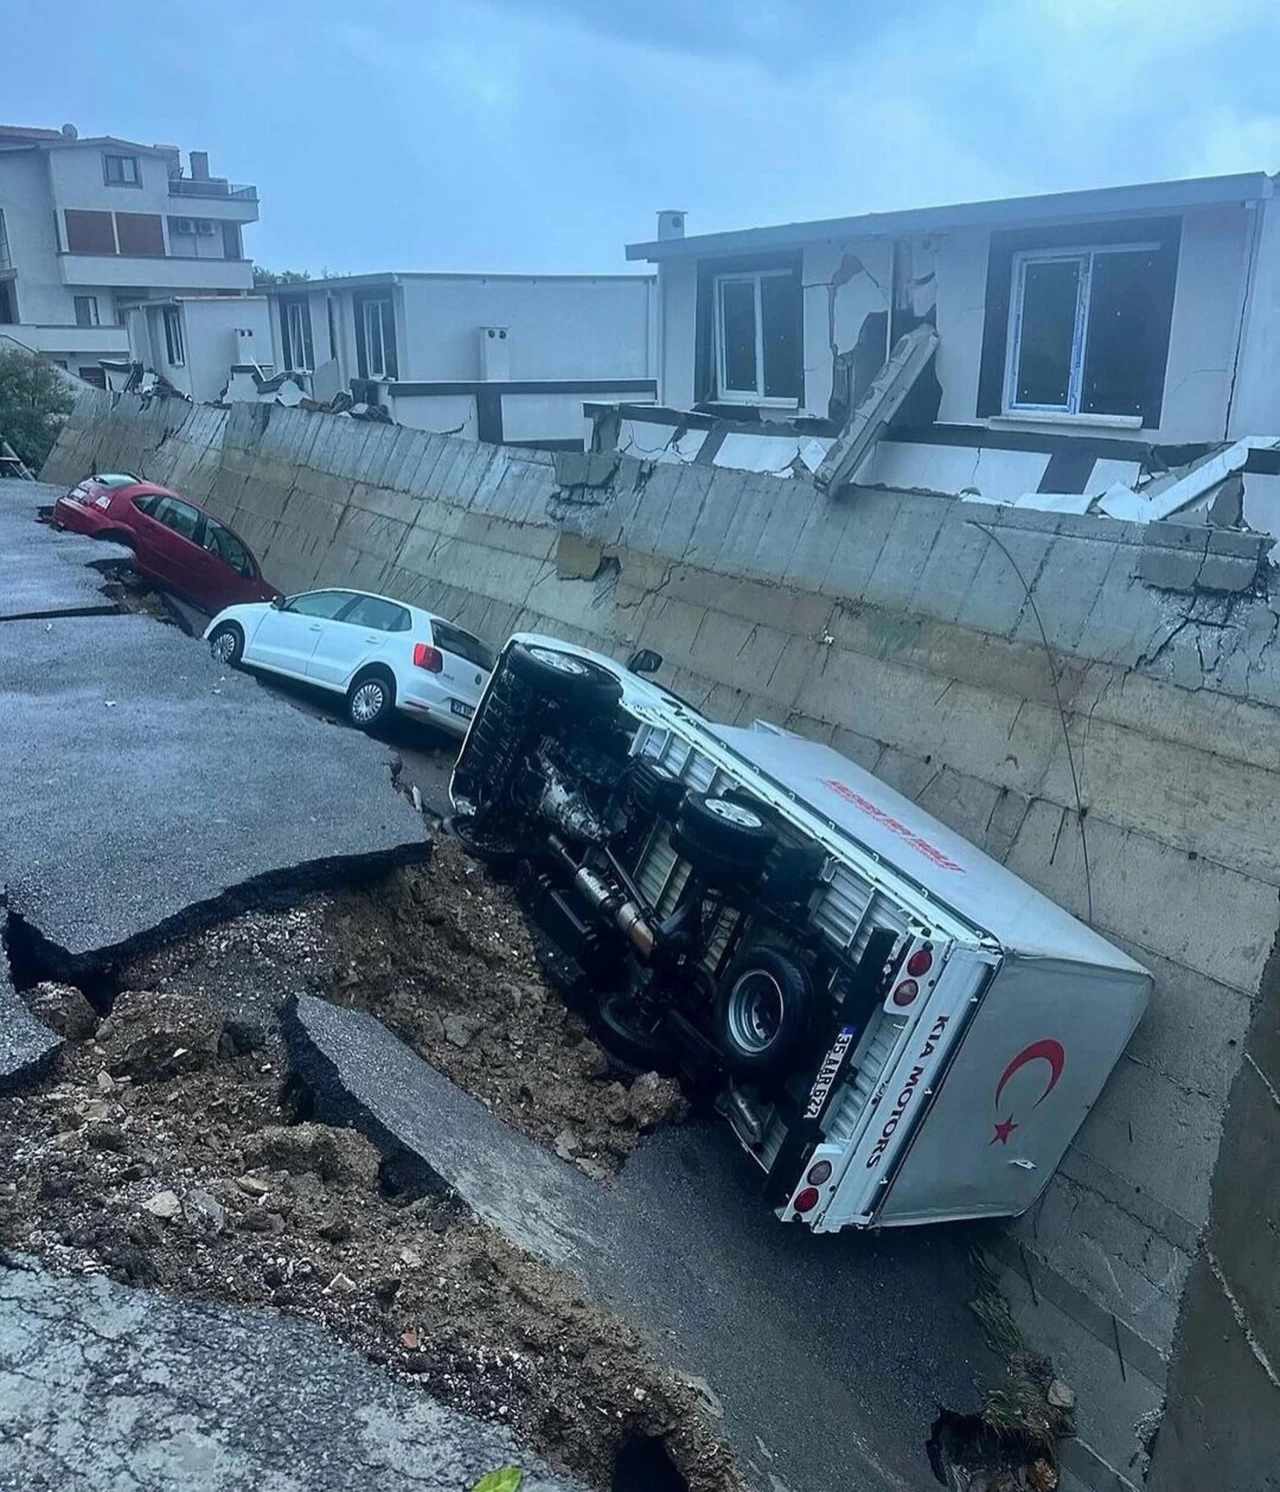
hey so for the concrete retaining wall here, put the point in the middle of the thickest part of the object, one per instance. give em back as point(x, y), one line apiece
point(893, 626)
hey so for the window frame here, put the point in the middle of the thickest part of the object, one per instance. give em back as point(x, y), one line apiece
point(171, 317)
point(377, 370)
point(213, 528)
point(196, 536)
point(290, 607)
point(754, 277)
point(1084, 255)
point(122, 181)
point(361, 305)
point(347, 615)
point(90, 302)
point(301, 304)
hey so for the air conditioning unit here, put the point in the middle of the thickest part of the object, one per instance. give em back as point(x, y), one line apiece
point(203, 225)
point(183, 225)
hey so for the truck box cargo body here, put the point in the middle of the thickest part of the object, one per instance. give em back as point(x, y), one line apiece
point(898, 1029)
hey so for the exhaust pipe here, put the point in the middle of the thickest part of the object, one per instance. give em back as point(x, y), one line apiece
point(623, 912)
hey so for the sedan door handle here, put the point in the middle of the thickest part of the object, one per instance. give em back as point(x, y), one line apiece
point(374, 638)
point(317, 627)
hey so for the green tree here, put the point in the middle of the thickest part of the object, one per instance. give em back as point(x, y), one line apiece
point(263, 276)
point(33, 402)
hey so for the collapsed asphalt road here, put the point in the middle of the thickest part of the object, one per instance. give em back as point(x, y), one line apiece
point(142, 784)
point(105, 1386)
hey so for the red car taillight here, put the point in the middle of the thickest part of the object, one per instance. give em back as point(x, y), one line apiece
point(425, 656)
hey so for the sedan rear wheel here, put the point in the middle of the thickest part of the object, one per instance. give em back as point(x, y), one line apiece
point(370, 700)
point(227, 644)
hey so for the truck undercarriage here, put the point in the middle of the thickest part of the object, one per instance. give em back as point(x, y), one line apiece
point(709, 934)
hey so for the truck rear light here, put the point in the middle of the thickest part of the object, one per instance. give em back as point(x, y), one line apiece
point(920, 962)
point(806, 1200)
point(819, 1173)
point(906, 992)
point(425, 656)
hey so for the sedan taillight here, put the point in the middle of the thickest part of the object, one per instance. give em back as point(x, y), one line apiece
point(425, 656)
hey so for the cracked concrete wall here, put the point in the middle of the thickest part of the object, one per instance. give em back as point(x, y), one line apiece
point(890, 625)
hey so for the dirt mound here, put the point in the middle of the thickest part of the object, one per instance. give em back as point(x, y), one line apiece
point(441, 954)
point(186, 1180)
point(151, 1036)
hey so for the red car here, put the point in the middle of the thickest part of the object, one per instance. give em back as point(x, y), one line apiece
point(174, 541)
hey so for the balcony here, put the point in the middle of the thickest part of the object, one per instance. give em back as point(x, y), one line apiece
point(158, 273)
point(186, 186)
point(215, 199)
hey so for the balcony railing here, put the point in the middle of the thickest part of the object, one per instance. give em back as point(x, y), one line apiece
point(184, 186)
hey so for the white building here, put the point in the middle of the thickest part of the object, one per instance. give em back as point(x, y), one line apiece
point(92, 227)
point(193, 341)
point(1082, 339)
point(502, 358)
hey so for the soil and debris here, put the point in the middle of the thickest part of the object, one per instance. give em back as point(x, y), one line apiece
point(441, 954)
point(1011, 1444)
point(159, 1153)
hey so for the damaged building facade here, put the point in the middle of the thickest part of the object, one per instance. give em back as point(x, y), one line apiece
point(507, 359)
point(1085, 342)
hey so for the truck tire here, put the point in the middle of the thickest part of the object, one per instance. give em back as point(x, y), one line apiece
point(723, 838)
point(632, 1036)
point(764, 1013)
point(565, 677)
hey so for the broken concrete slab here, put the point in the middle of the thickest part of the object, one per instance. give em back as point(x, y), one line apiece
point(27, 1046)
point(687, 1250)
point(44, 573)
point(214, 1398)
point(143, 785)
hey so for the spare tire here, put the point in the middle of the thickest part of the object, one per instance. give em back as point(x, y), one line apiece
point(764, 1013)
point(722, 837)
point(565, 677)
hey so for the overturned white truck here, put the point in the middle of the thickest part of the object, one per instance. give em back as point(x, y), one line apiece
point(898, 1029)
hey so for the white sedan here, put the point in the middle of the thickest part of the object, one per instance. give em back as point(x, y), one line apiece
point(380, 654)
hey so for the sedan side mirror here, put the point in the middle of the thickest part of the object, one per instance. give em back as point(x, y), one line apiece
point(278, 602)
point(645, 661)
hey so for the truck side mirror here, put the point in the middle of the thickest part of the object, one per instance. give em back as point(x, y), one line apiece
point(645, 661)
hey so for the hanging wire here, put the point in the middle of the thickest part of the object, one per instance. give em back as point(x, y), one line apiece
point(1057, 694)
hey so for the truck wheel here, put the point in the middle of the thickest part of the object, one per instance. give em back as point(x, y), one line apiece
point(565, 677)
point(633, 1036)
point(722, 837)
point(491, 846)
point(764, 1012)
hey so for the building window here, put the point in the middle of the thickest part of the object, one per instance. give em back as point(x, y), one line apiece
point(757, 336)
point(376, 338)
point(8, 304)
point(5, 261)
point(93, 374)
point(121, 170)
point(295, 334)
point(174, 349)
point(140, 233)
point(232, 245)
point(86, 310)
point(1077, 321)
point(1080, 330)
point(89, 232)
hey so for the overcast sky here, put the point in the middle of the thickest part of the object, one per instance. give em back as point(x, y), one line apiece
point(544, 134)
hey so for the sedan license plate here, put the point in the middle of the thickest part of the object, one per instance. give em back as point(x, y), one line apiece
point(458, 708)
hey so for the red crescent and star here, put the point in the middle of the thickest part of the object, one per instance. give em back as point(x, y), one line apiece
point(1039, 1051)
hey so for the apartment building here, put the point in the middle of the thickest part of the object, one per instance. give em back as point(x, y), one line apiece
point(91, 228)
